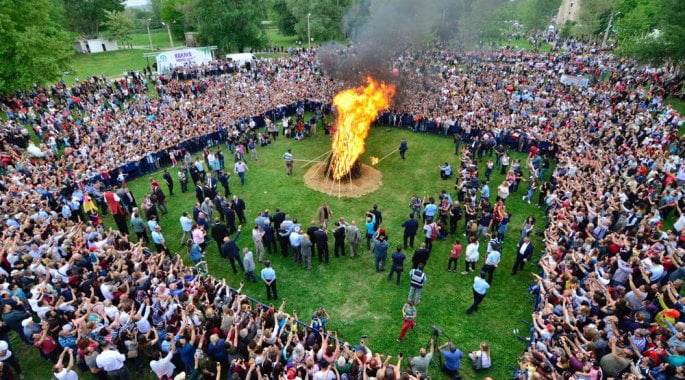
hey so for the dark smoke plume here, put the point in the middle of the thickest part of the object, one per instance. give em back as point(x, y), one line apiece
point(380, 31)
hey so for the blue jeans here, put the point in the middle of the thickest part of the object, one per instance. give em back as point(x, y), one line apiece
point(677, 274)
point(380, 262)
point(399, 274)
point(242, 178)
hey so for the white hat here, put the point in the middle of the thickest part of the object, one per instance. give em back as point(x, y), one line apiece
point(26, 322)
point(180, 376)
point(3, 345)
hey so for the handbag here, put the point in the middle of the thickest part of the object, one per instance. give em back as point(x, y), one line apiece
point(478, 364)
point(132, 351)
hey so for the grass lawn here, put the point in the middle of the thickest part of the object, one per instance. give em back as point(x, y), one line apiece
point(271, 55)
point(160, 40)
point(678, 105)
point(522, 43)
point(360, 301)
point(111, 64)
point(277, 39)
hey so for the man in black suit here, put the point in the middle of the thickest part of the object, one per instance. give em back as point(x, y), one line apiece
point(269, 238)
point(321, 239)
point(278, 218)
point(223, 180)
point(310, 232)
point(420, 256)
point(211, 185)
point(378, 215)
point(128, 199)
point(239, 208)
point(199, 192)
point(219, 232)
point(339, 236)
point(169, 181)
point(524, 251)
point(231, 251)
point(410, 227)
point(229, 216)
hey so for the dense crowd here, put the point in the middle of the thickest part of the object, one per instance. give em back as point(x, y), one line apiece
point(608, 291)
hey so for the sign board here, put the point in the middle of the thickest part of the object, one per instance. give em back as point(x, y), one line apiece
point(571, 80)
point(183, 57)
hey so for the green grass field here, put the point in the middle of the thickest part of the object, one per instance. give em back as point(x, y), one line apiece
point(160, 40)
point(277, 39)
point(678, 105)
point(522, 43)
point(360, 301)
point(110, 64)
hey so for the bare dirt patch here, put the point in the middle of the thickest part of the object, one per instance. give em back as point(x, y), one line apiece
point(370, 180)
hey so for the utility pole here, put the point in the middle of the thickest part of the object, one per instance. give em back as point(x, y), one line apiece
point(606, 32)
point(168, 30)
point(309, 33)
point(149, 36)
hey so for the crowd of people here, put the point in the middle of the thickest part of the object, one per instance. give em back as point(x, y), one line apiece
point(608, 298)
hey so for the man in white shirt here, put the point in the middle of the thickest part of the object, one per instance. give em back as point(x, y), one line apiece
point(186, 226)
point(7, 358)
point(112, 362)
point(240, 168)
point(164, 366)
point(65, 373)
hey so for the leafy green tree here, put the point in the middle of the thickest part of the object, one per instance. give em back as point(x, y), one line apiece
point(232, 25)
point(118, 27)
point(285, 20)
point(536, 14)
point(652, 30)
point(594, 16)
point(173, 14)
point(35, 49)
point(325, 20)
point(85, 16)
point(156, 8)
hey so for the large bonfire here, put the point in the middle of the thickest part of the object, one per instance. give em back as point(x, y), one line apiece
point(356, 109)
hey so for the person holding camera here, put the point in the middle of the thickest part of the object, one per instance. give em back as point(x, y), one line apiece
point(421, 363)
point(452, 356)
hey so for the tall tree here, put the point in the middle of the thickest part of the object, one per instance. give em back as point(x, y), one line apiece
point(118, 27)
point(594, 16)
point(232, 25)
point(85, 16)
point(156, 8)
point(172, 14)
point(652, 30)
point(35, 49)
point(536, 14)
point(325, 22)
point(285, 20)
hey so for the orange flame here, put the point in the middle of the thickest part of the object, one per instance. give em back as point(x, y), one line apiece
point(357, 108)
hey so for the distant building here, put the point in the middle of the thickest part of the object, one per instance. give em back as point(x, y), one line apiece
point(568, 11)
point(191, 39)
point(95, 45)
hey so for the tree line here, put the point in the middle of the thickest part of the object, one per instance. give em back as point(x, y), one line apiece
point(36, 37)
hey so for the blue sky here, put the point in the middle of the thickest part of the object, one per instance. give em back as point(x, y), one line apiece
point(135, 3)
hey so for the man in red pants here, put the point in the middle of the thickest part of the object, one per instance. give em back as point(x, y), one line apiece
point(409, 314)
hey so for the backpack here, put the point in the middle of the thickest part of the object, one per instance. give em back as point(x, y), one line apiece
point(478, 362)
point(434, 231)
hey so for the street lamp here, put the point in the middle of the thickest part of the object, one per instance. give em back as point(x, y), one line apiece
point(149, 36)
point(606, 32)
point(309, 33)
point(168, 30)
